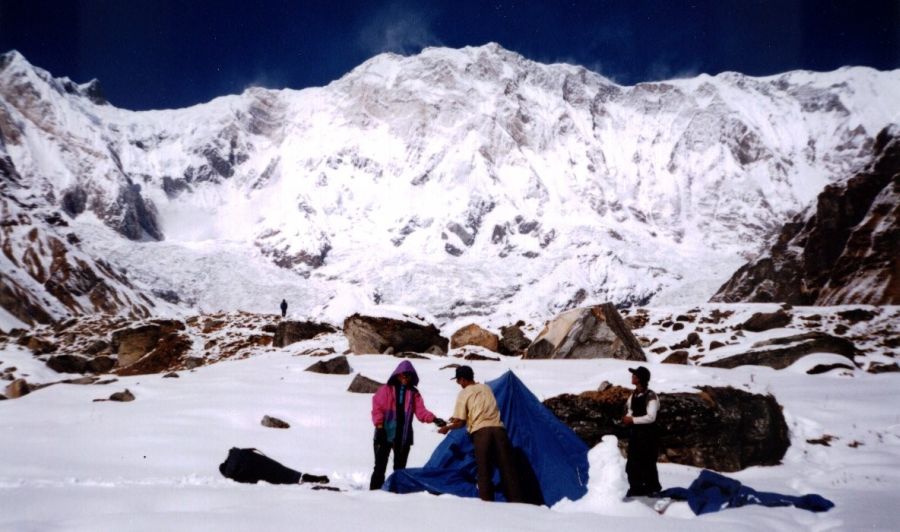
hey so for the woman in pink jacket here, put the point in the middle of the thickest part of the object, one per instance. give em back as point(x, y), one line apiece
point(393, 408)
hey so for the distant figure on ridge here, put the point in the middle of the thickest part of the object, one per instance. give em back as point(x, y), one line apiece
point(643, 439)
point(283, 308)
point(476, 407)
point(393, 408)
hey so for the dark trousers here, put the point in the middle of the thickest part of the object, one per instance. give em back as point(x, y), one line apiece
point(382, 452)
point(492, 448)
point(643, 478)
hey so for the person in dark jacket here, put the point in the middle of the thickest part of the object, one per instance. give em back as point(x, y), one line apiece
point(393, 408)
point(283, 307)
point(643, 441)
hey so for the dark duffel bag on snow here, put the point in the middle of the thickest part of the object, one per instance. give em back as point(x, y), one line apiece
point(250, 466)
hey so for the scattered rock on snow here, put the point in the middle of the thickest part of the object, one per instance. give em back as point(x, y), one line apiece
point(274, 423)
point(677, 357)
point(363, 384)
point(335, 366)
point(763, 321)
point(122, 397)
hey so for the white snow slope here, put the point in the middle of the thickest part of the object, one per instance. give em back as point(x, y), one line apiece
point(461, 182)
point(72, 464)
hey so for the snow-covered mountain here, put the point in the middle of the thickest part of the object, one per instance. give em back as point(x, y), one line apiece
point(845, 250)
point(459, 182)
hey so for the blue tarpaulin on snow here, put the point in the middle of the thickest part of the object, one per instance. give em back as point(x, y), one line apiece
point(712, 492)
point(552, 460)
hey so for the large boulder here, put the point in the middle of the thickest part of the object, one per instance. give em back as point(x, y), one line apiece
point(724, 429)
point(168, 354)
point(513, 341)
point(780, 353)
point(588, 332)
point(472, 334)
point(369, 334)
point(288, 332)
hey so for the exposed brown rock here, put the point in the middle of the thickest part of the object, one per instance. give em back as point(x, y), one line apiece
point(677, 357)
point(718, 428)
point(132, 344)
point(692, 339)
point(17, 388)
point(289, 332)
point(472, 334)
point(40, 346)
point(883, 368)
point(368, 334)
point(588, 332)
point(166, 356)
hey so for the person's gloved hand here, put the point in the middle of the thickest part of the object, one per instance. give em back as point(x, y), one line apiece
point(439, 422)
point(380, 435)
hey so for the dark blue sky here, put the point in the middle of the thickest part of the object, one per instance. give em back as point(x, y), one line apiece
point(163, 54)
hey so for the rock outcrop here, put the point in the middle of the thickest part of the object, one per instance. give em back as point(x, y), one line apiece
point(588, 332)
point(717, 428)
point(167, 355)
point(843, 252)
point(782, 352)
point(369, 334)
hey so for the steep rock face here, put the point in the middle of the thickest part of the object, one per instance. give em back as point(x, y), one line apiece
point(843, 252)
point(418, 171)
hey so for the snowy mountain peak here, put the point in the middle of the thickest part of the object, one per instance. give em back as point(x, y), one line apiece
point(458, 182)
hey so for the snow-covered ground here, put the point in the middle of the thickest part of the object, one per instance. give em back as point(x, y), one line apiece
point(69, 463)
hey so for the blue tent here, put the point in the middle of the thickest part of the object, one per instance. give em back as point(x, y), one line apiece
point(551, 458)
